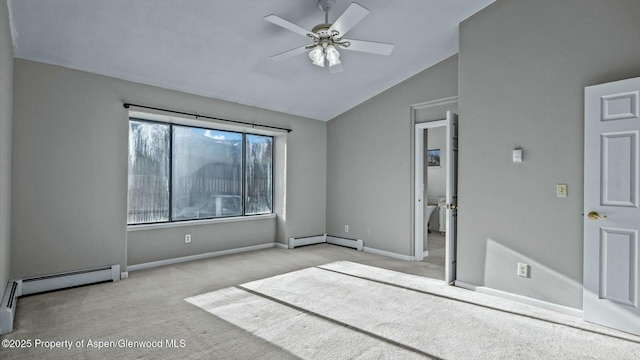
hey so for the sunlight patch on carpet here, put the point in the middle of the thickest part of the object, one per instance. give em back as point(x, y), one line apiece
point(334, 311)
point(301, 334)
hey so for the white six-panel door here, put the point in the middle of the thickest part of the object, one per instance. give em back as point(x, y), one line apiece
point(611, 211)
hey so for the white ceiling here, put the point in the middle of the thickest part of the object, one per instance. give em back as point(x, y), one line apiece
point(221, 48)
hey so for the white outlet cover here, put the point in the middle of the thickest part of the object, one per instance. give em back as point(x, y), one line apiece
point(561, 190)
point(523, 270)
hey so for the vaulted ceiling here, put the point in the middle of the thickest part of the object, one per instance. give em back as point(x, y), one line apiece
point(221, 48)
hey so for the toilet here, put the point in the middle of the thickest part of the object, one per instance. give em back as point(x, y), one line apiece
point(430, 208)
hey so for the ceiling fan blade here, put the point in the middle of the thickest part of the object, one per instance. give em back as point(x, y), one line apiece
point(290, 53)
point(336, 69)
point(275, 19)
point(369, 47)
point(349, 18)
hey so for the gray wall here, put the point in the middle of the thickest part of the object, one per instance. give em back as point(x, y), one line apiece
point(523, 68)
point(70, 174)
point(151, 245)
point(369, 161)
point(6, 115)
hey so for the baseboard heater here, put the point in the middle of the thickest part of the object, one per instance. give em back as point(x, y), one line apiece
point(8, 306)
point(357, 244)
point(38, 284)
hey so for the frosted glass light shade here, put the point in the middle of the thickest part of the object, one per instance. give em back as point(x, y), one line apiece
point(333, 56)
point(317, 56)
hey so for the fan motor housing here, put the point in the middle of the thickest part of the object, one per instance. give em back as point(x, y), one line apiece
point(322, 30)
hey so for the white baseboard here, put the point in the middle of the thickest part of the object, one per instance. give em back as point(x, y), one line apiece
point(280, 246)
point(521, 299)
point(182, 259)
point(389, 254)
point(124, 275)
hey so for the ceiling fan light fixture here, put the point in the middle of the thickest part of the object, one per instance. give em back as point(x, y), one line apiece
point(317, 56)
point(333, 56)
point(328, 37)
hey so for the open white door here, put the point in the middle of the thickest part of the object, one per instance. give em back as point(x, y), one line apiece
point(611, 212)
point(420, 201)
point(452, 198)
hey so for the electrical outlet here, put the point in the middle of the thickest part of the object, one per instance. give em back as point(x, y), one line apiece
point(368, 233)
point(523, 270)
point(187, 239)
point(561, 190)
point(346, 228)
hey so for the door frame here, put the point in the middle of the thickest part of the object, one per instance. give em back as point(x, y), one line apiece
point(419, 184)
point(417, 212)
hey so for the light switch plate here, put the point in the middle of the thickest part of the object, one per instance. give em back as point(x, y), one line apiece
point(517, 155)
point(561, 190)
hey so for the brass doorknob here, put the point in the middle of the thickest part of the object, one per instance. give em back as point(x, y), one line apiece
point(595, 216)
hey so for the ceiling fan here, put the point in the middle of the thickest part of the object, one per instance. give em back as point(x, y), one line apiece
point(327, 38)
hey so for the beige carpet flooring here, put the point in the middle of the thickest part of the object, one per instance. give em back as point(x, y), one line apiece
point(348, 310)
point(150, 306)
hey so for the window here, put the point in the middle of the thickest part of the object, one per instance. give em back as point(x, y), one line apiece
point(148, 200)
point(179, 173)
point(258, 174)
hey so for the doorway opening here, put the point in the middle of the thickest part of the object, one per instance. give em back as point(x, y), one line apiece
point(435, 193)
point(433, 190)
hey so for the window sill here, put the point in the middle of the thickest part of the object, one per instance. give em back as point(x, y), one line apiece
point(199, 222)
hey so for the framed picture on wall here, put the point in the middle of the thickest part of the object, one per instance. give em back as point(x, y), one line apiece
point(433, 157)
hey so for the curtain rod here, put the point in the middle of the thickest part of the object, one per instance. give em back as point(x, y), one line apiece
point(127, 105)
